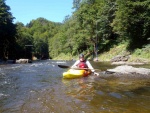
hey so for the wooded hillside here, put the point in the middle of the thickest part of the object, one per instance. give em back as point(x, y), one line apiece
point(94, 27)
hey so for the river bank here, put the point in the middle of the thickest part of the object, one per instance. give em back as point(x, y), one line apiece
point(138, 56)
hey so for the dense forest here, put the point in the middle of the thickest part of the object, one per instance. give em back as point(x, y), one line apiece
point(94, 27)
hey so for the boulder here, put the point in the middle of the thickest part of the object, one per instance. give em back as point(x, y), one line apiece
point(125, 69)
point(120, 58)
point(20, 61)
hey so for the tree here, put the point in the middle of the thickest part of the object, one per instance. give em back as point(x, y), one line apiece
point(23, 38)
point(7, 31)
point(132, 22)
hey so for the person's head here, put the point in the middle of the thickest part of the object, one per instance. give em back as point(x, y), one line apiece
point(81, 57)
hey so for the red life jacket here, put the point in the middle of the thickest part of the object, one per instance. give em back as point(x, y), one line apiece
point(82, 65)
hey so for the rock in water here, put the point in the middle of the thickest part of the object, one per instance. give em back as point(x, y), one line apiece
point(125, 69)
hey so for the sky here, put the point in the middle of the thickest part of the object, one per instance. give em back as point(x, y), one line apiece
point(53, 10)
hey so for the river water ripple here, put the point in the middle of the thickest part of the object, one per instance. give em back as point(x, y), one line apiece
point(39, 88)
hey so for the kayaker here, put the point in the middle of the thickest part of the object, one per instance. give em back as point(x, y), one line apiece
point(82, 63)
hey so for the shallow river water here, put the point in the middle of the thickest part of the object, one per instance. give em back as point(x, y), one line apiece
point(40, 88)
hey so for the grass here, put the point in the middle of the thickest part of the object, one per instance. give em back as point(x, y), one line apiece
point(116, 50)
point(139, 55)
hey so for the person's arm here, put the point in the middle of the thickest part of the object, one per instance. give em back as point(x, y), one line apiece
point(75, 64)
point(90, 67)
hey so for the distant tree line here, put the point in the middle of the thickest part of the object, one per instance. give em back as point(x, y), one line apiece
point(94, 26)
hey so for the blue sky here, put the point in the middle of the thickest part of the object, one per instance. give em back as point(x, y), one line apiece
point(26, 10)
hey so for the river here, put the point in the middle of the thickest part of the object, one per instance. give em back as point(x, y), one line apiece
point(39, 88)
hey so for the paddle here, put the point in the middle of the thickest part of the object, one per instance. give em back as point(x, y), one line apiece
point(63, 66)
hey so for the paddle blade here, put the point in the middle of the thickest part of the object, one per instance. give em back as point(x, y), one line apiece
point(63, 66)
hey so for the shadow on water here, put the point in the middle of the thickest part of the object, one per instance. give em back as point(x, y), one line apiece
point(39, 87)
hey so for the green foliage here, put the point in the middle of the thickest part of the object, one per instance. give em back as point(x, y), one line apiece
point(37, 33)
point(132, 20)
point(144, 52)
point(7, 31)
point(42, 31)
point(96, 25)
point(141, 55)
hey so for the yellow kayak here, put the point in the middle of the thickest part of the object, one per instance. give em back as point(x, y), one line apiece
point(73, 73)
